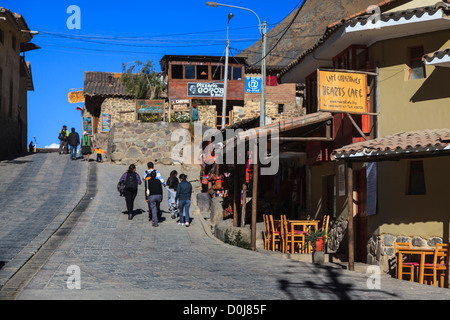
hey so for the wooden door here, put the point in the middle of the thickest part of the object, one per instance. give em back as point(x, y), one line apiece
point(360, 216)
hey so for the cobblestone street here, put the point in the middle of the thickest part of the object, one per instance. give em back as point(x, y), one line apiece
point(122, 259)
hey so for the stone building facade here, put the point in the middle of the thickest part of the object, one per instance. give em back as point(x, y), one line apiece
point(15, 82)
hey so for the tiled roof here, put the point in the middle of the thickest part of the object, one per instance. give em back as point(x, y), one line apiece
point(352, 20)
point(438, 54)
point(105, 84)
point(400, 144)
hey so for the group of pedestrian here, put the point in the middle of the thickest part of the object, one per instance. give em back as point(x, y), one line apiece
point(179, 193)
point(71, 141)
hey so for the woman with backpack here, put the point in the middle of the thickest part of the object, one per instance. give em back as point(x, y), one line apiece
point(131, 180)
point(86, 146)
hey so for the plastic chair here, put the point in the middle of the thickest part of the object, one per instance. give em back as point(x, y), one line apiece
point(410, 266)
point(298, 237)
point(275, 236)
point(439, 265)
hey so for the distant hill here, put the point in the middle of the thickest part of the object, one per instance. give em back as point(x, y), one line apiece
point(306, 30)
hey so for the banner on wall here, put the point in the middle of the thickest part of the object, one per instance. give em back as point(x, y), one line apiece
point(253, 84)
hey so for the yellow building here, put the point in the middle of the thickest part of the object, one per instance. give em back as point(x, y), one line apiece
point(403, 49)
point(15, 81)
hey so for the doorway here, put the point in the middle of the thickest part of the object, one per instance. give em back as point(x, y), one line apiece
point(361, 217)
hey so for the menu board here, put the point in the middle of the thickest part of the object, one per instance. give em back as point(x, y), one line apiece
point(106, 122)
point(87, 125)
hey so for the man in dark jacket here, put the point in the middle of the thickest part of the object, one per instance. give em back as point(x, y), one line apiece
point(183, 198)
point(74, 142)
point(154, 196)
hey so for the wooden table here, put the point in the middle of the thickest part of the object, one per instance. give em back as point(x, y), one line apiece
point(304, 224)
point(414, 251)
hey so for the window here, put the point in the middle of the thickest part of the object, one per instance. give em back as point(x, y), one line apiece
point(177, 71)
point(2, 36)
point(280, 108)
point(416, 65)
point(11, 92)
point(216, 73)
point(354, 57)
point(189, 72)
point(14, 43)
point(1, 89)
point(416, 178)
point(202, 72)
point(237, 73)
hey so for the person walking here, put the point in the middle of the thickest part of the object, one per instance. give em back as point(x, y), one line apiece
point(172, 185)
point(183, 198)
point(151, 167)
point(63, 140)
point(74, 142)
point(131, 179)
point(86, 146)
point(154, 195)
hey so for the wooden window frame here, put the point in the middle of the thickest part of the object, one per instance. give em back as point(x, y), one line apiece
point(414, 59)
point(416, 168)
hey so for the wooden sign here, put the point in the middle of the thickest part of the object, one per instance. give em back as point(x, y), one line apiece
point(76, 97)
point(150, 106)
point(342, 91)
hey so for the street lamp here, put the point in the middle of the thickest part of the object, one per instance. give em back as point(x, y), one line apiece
point(225, 82)
point(263, 30)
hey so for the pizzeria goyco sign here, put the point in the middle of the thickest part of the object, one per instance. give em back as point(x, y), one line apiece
point(214, 90)
point(342, 91)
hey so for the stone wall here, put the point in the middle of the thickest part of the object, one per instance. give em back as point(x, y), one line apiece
point(276, 96)
point(207, 115)
point(140, 143)
point(380, 249)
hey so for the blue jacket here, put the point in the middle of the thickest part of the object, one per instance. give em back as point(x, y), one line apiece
point(184, 191)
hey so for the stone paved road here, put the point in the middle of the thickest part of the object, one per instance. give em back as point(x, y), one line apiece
point(122, 259)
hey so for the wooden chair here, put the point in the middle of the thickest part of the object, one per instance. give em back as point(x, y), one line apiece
point(275, 236)
point(410, 266)
point(266, 232)
point(298, 237)
point(325, 224)
point(438, 265)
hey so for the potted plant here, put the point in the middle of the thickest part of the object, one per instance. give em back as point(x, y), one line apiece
point(316, 240)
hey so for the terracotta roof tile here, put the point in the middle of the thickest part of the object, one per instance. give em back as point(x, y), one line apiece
point(400, 143)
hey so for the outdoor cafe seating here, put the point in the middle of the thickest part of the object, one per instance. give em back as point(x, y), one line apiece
point(423, 265)
point(289, 236)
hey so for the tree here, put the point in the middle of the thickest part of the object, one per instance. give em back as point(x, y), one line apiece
point(142, 80)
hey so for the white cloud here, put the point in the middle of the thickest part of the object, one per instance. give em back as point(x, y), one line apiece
point(52, 146)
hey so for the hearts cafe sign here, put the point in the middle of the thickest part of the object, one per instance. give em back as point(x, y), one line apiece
point(342, 91)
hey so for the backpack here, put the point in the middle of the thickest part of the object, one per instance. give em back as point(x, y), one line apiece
point(131, 182)
point(62, 135)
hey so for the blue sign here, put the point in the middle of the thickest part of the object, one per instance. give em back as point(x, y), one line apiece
point(253, 84)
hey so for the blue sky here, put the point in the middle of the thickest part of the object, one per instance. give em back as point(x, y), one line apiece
point(115, 32)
